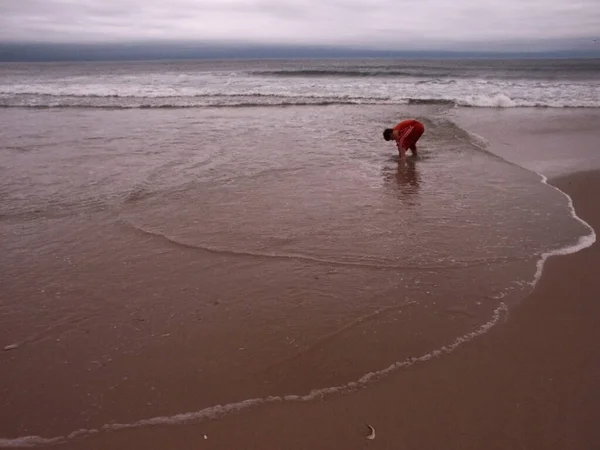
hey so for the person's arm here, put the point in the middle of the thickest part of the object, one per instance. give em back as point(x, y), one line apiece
point(401, 150)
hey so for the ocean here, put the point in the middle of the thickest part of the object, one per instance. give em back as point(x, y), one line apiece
point(181, 235)
point(478, 83)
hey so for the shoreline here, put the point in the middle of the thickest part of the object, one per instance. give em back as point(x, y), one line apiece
point(582, 243)
point(528, 383)
point(506, 389)
point(349, 398)
point(514, 395)
point(310, 405)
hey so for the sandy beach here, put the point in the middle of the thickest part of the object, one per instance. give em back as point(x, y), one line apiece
point(530, 383)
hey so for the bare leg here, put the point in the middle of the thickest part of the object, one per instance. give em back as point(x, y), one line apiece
point(413, 149)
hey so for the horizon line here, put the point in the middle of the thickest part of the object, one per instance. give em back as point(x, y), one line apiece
point(188, 50)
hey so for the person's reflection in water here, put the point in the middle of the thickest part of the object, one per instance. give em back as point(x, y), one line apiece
point(405, 178)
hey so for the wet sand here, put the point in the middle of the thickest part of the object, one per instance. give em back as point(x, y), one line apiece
point(532, 382)
point(140, 327)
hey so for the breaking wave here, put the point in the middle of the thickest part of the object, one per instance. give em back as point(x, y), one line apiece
point(366, 72)
point(254, 100)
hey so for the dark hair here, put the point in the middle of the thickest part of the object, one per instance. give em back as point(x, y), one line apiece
point(387, 134)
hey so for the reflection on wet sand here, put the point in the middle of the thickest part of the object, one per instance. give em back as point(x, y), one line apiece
point(404, 177)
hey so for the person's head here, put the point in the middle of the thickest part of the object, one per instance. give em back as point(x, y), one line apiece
point(387, 134)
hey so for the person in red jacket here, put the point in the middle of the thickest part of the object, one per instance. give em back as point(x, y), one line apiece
point(406, 134)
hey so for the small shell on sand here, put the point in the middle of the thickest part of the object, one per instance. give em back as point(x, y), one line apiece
point(372, 435)
point(10, 347)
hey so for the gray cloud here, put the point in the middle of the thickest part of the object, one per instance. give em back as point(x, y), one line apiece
point(390, 24)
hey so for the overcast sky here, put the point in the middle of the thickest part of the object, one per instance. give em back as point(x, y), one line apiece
point(390, 24)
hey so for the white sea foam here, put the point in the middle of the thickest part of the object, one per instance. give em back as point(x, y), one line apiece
point(583, 241)
point(156, 100)
point(29, 441)
point(195, 89)
point(491, 101)
point(499, 85)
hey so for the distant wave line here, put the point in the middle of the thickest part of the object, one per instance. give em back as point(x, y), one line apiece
point(197, 95)
point(351, 73)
